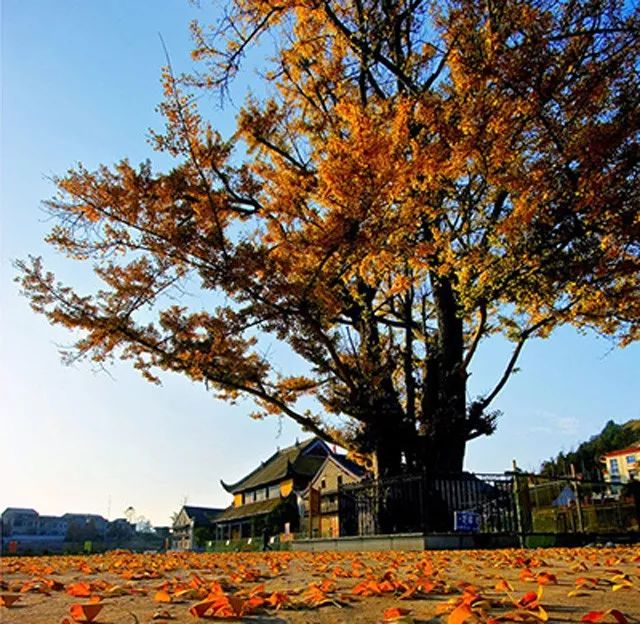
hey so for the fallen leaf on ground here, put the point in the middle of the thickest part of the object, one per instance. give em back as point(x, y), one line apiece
point(162, 615)
point(396, 615)
point(85, 612)
point(162, 596)
point(610, 615)
point(6, 600)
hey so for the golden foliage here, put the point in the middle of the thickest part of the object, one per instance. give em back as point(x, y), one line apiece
point(416, 180)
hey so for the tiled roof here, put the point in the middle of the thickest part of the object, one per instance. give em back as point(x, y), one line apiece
point(624, 451)
point(202, 516)
point(252, 509)
point(308, 466)
point(286, 462)
point(349, 465)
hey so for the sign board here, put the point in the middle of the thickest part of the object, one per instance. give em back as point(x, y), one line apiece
point(466, 521)
point(88, 547)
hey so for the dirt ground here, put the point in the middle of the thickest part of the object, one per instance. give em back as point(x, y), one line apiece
point(561, 585)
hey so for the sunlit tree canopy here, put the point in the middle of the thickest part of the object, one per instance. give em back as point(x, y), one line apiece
point(421, 176)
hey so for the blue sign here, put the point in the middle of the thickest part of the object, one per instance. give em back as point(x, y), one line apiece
point(467, 521)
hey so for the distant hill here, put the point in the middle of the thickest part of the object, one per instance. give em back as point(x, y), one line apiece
point(585, 457)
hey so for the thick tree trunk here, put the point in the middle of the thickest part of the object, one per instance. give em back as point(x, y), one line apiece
point(444, 399)
point(385, 430)
point(389, 432)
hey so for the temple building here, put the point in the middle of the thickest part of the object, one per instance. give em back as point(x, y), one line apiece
point(269, 499)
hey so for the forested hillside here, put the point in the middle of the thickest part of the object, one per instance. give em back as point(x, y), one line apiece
point(586, 457)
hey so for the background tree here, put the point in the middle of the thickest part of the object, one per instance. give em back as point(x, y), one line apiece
point(143, 525)
point(130, 515)
point(586, 457)
point(203, 534)
point(422, 176)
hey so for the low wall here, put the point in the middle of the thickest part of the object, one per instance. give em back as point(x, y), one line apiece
point(457, 541)
point(406, 541)
point(403, 541)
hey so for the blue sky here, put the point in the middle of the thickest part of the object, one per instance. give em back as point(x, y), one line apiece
point(80, 82)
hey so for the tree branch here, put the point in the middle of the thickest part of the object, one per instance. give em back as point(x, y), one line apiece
point(478, 335)
point(524, 336)
point(363, 48)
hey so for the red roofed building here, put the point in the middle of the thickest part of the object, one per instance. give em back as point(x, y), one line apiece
point(622, 465)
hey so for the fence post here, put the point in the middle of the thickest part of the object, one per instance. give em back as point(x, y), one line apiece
point(524, 523)
point(516, 498)
point(574, 483)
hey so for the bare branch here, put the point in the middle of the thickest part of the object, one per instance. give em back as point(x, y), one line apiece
point(524, 336)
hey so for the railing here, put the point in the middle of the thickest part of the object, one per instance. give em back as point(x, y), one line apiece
point(427, 503)
point(570, 505)
point(509, 503)
point(329, 507)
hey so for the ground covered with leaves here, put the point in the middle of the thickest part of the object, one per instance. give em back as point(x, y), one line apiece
point(453, 587)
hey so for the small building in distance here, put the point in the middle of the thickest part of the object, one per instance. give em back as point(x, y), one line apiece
point(53, 525)
point(189, 521)
point(120, 529)
point(268, 498)
point(81, 527)
point(20, 521)
point(28, 531)
point(621, 465)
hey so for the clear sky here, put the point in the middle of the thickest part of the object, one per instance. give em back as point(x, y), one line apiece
point(80, 82)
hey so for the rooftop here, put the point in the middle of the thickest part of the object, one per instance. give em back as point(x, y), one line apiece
point(624, 451)
point(72, 516)
point(202, 515)
point(19, 510)
point(303, 458)
point(351, 466)
point(252, 509)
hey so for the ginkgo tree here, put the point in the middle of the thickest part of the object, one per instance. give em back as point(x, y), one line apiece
point(421, 176)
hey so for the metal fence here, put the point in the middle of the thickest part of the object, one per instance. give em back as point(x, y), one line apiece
point(565, 505)
point(427, 503)
point(509, 503)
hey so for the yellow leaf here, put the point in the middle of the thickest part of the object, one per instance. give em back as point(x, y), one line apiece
point(162, 596)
